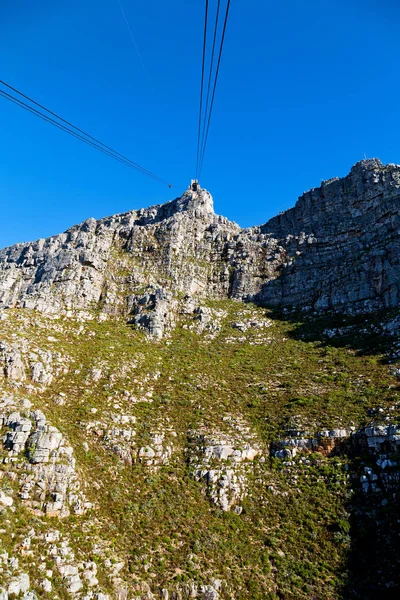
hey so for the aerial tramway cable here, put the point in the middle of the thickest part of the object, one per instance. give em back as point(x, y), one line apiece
point(201, 88)
point(211, 70)
point(69, 131)
point(204, 119)
point(135, 44)
point(214, 88)
point(78, 133)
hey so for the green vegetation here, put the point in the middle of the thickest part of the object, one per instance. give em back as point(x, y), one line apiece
point(292, 540)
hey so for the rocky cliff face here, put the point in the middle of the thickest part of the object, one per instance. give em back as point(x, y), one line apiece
point(338, 248)
point(343, 243)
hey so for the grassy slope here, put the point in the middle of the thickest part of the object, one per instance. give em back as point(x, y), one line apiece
point(292, 539)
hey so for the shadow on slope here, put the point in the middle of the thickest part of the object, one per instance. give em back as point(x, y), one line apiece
point(374, 558)
point(363, 333)
point(374, 535)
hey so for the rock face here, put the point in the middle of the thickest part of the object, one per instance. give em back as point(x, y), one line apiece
point(49, 483)
point(342, 242)
point(338, 248)
point(223, 462)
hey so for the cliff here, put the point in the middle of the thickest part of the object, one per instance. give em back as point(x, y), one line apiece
point(338, 248)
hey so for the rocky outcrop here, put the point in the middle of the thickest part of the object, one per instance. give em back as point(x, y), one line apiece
point(326, 442)
point(18, 363)
point(11, 362)
point(338, 248)
point(222, 460)
point(150, 253)
point(380, 440)
point(342, 243)
point(41, 461)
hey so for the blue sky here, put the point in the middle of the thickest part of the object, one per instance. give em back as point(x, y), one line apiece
point(306, 89)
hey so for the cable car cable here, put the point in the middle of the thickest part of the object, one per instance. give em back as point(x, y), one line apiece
point(62, 127)
point(214, 88)
point(139, 167)
point(211, 71)
point(135, 44)
point(201, 87)
point(116, 156)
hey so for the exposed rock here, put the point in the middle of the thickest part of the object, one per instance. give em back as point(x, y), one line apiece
point(154, 311)
point(338, 248)
point(49, 483)
point(325, 442)
point(19, 585)
point(5, 500)
point(46, 585)
point(222, 461)
point(11, 363)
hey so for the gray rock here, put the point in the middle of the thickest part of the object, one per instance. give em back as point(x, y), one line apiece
point(207, 592)
point(47, 479)
point(20, 584)
point(12, 365)
point(5, 500)
point(74, 584)
point(338, 248)
point(46, 585)
point(222, 461)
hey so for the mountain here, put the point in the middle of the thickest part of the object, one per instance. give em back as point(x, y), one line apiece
point(190, 409)
point(338, 248)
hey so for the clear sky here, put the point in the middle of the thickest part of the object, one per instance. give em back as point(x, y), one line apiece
point(306, 89)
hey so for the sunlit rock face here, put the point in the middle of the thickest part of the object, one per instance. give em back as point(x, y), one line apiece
point(338, 248)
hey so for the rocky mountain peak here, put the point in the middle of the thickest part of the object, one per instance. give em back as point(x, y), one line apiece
point(338, 248)
point(199, 203)
point(367, 164)
point(370, 165)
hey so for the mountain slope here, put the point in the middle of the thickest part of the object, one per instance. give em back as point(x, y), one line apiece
point(242, 450)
